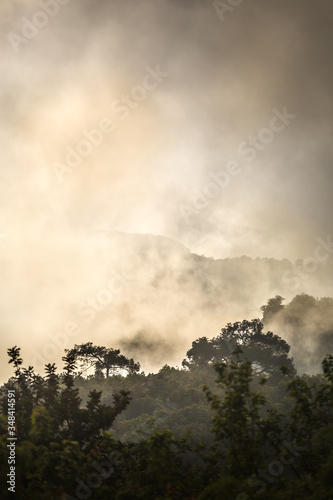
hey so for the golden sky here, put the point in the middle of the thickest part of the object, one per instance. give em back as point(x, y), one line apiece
point(181, 92)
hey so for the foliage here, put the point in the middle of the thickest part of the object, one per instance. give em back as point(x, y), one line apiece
point(266, 352)
point(270, 437)
point(102, 358)
point(54, 402)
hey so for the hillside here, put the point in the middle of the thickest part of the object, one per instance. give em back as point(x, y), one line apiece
point(146, 294)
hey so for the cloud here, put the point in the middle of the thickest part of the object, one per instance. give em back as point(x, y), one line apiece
point(224, 80)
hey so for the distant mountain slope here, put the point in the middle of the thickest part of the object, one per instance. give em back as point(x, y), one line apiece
point(146, 294)
point(174, 296)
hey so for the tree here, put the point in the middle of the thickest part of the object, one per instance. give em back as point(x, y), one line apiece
point(266, 352)
point(273, 307)
point(54, 401)
point(102, 359)
point(237, 424)
point(201, 354)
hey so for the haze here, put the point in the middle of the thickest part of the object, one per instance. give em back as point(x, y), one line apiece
point(221, 82)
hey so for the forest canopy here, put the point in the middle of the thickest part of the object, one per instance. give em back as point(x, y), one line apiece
point(235, 422)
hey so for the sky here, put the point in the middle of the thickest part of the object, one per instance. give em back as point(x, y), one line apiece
point(178, 118)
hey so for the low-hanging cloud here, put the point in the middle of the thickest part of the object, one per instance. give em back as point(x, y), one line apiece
point(224, 81)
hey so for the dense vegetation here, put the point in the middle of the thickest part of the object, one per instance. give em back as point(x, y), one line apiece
point(236, 423)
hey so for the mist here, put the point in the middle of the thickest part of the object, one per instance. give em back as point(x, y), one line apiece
point(176, 95)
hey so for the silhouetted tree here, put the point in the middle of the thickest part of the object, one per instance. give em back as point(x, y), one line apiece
point(202, 353)
point(266, 352)
point(273, 307)
point(65, 418)
point(102, 359)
